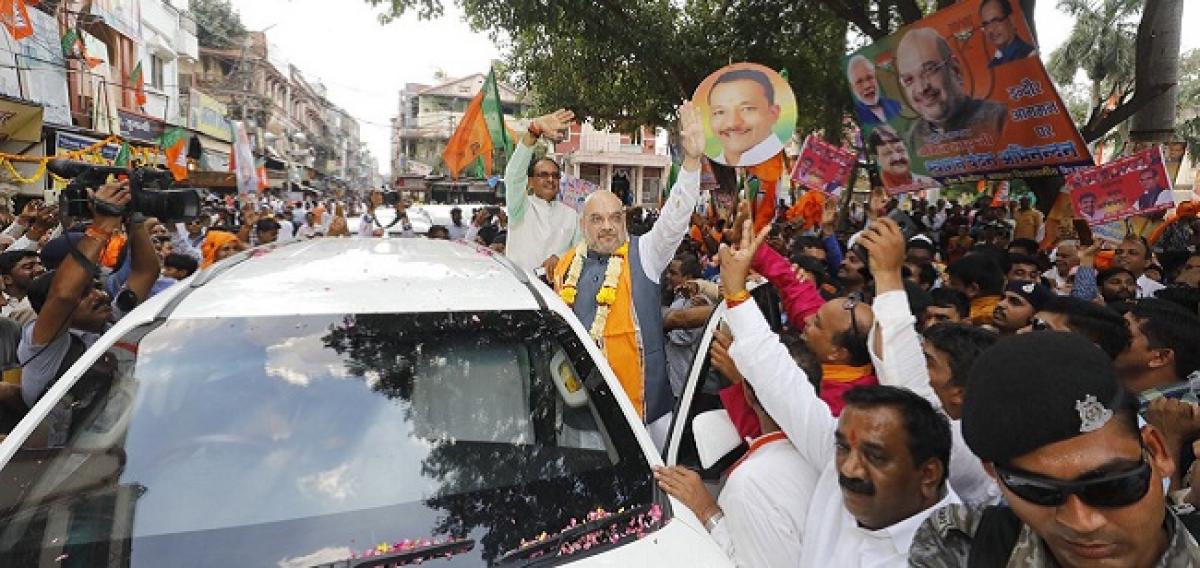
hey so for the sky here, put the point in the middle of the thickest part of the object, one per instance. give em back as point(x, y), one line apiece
point(365, 64)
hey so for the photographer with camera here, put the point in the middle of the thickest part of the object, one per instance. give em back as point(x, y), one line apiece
point(73, 310)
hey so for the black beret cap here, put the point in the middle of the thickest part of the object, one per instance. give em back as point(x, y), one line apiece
point(1034, 389)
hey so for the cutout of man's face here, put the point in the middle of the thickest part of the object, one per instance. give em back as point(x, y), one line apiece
point(742, 117)
point(997, 26)
point(863, 82)
point(1149, 179)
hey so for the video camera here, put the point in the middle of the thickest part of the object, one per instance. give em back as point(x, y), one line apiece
point(149, 188)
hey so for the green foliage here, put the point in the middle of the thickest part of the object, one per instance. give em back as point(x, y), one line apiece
point(217, 24)
point(626, 63)
point(1101, 44)
point(1189, 102)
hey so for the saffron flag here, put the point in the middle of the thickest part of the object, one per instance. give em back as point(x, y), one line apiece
point(139, 84)
point(471, 140)
point(174, 144)
point(242, 160)
point(771, 182)
point(16, 18)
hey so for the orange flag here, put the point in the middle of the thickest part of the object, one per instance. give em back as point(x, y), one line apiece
point(470, 141)
point(768, 173)
point(16, 18)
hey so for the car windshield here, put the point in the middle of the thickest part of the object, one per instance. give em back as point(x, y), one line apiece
point(297, 441)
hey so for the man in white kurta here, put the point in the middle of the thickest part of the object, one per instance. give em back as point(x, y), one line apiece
point(900, 361)
point(843, 449)
point(539, 225)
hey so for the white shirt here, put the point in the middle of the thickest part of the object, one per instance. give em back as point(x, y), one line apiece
point(537, 229)
point(902, 364)
point(287, 231)
point(308, 231)
point(457, 233)
point(765, 501)
point(761, 152)
point(1147, 287)
point(832, 536)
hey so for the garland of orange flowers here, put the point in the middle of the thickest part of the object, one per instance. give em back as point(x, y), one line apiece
point(606, 296)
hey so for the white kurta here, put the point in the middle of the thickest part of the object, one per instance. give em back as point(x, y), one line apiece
point(537, 229)
point(832, 537)
point(902, 364)
point(765, 501)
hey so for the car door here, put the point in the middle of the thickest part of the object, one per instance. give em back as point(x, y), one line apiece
point(701, 396)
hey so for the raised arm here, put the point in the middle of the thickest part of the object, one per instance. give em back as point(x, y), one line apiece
point(658, 246)
point(516, 175)
point(780, 385)
point(894, 343)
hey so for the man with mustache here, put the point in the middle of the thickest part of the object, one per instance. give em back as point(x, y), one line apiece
point(1082, 480)
point(883, 463)
point(1016, 308)
point(870, 106)
point(611, 281)
point(743, 113)
point(894, 166)
point(932, 80)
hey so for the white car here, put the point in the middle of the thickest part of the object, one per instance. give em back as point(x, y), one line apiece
point(319, 402)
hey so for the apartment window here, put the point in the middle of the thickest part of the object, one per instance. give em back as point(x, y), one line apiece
point(156, 71)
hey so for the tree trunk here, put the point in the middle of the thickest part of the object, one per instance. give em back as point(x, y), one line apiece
point(1157, 60)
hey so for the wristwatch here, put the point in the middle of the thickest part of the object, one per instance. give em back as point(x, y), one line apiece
point(711, 524)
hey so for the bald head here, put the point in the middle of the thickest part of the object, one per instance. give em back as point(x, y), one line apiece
point(603, 222)
point(929, 75)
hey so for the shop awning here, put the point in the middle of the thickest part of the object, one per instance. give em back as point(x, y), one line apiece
point(20, 121)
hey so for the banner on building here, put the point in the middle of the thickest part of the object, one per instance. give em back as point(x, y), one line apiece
point(823, 166)
point(573, 191)
point(243, 161)
point(43, 71)
point(1125, 187)
point(140, 127)
point(208, 116)
point(963, 96)
point(68, 142)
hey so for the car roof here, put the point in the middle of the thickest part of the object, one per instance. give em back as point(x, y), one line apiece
point(358, 275)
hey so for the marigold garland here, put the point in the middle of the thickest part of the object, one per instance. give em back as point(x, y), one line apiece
point(606, 296)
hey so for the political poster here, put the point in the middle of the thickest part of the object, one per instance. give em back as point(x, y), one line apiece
point(961, 96)
point(573, 191)
point(1125, 187)
point(823, 166)
point(749, 114)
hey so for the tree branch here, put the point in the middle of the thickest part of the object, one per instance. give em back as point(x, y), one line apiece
point(1100, 123)
point(858, 17)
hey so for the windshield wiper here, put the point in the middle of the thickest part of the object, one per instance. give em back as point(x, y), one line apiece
point(402, 557)
point(550, 548)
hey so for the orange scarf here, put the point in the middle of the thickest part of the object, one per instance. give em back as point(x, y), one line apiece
point(621, 346)
point(756, 444)
point(837, 379)
point(982, 308)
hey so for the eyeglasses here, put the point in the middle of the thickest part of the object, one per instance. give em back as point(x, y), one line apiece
point(1110, 491)
point(548, 175)
point(928, 70)
point(849, 306)
point(993, 22)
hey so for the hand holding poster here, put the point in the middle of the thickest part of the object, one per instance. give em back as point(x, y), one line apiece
point(961, 96)
point(823, 166)
point(1133, 185)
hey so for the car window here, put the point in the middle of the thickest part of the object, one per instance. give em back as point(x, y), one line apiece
point(244, 441)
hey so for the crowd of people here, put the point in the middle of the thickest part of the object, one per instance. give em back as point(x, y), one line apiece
point(949, 388)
